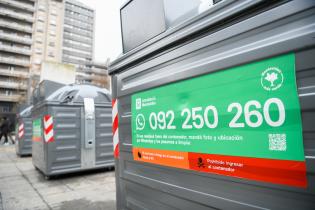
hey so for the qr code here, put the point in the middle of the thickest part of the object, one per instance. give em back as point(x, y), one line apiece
point(277, 142)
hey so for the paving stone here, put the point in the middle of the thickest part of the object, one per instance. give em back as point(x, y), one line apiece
point(22, 187)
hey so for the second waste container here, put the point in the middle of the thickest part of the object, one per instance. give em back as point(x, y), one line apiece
point(72, 130)
point(23, 133)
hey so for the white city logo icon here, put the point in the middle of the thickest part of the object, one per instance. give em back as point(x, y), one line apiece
point(272, 79)
point(138, 103)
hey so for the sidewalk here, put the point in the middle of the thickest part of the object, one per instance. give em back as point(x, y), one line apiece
point(22, 187)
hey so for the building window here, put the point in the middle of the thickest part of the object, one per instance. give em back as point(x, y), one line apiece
point(38, 51)
point(39, 40)
point(8, 92)
point(52, 44)
point(40, 28)
point(41, 19)
point(51, 54)
point(5, 109)
point(54, 12)
point(42, 8)
point(53, 22)
point(52, 33)
point(37, 61)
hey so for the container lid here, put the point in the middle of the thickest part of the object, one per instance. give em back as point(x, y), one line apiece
point(44, 90)
point(77, 93)
point(184, 21)
point(26, 112)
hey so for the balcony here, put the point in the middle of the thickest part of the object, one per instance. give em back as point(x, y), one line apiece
point(81, 76)
point(77, 46)
point(16, 26)
point(78, 39)
point(100, 81)
point(14, 49)
point(77, 24)
point(14, 73)
point(15, 38)
point(11, 98)
point(14, 61)
point(84, 33)
point(13, 85)
point(67, 59)
point(13, 14)
point(92, 78)
point(18, 4)
point(93, 70)
point(83, 18)
point(77, 54)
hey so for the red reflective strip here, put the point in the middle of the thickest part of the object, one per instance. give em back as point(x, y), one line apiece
point(115, 128)
point(115, 124)
point(51, 139)
point(47, 130)
point(47, 117)
point(113, 102)
point(116, 151)
point(21, 131)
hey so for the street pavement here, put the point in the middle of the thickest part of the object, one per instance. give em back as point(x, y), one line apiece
point(22, 187)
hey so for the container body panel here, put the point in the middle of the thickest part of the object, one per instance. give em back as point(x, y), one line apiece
point(104, 136)
point(273, 30)
point(24, 143)
point(39, 148)
point(67, 152)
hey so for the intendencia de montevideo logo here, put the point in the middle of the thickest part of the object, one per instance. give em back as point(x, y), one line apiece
point(271, 79)
point(138, 103)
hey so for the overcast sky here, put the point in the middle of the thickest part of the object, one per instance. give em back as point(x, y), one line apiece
point(107, 28)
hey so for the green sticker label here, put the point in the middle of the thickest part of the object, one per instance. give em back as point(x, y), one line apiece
point(37, 130)
point(243, 122)
point(249, 111)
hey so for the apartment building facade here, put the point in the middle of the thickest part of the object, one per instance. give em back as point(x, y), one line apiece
point(78, 34)
point(78, 43)
point(47, 34)
point(69, 28)
point(16, 21)
point(94, 73)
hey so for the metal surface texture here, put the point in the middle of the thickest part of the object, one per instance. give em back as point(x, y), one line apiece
point(143, 20)
point(44, 89)
point(230, 34)
point(138, 27)
point(70, 151)
point(165, 40)
point(23, 144)
point(88, 153)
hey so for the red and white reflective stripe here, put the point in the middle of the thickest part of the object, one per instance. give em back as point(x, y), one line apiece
point(115, 128)
point(21, 130)
point(48, 129)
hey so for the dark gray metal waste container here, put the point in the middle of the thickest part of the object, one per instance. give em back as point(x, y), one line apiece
point(23, 133)
point(72, 130)
point(218, 112)
point(142, 20)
